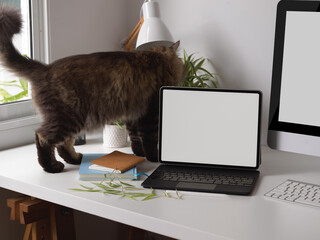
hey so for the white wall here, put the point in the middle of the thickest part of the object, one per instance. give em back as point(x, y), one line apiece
point(82, 26)
point(236, 35)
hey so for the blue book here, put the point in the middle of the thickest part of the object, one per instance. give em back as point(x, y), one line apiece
point(92, 175)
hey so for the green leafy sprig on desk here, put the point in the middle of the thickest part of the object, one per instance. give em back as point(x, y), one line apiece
point(119, 188)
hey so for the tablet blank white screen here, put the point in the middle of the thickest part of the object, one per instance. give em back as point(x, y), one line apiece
point(206, 127)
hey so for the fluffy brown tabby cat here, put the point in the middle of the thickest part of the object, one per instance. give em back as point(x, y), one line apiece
point(86, 91)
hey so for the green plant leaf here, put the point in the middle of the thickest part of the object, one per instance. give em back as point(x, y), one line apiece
point(11, 85)
point(150, 196)
point(6, 82)
point(85, 190)
point(178, 194)
point(125, 195)
point(4, 93)
point(196, 74)
point(119, 123)
point(126, 184)
point(198, 66)
point(24, 84)
point(89, 188)
point(114, 185)
point(16, 97)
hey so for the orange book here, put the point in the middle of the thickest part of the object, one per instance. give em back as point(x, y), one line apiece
point(117, 162)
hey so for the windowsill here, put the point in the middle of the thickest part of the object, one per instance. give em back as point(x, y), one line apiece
point(20, 122)
point(18, 131)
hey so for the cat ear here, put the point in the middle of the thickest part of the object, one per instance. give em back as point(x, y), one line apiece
point(175, 46)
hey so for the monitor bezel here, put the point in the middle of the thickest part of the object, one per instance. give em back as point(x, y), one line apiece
point(258, 155)
point(274, 123)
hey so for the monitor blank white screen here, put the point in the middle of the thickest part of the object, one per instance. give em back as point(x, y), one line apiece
point(300, 82)
point(210, 127)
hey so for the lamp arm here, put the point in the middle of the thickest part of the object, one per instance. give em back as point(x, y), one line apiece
point(128, 44)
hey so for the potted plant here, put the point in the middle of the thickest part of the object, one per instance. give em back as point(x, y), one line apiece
point(115, 135)
point(196, 74)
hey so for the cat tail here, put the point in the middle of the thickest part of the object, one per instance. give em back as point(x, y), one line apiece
point(10, 24)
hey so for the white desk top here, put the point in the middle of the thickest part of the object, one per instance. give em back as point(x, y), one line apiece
point(202, 216)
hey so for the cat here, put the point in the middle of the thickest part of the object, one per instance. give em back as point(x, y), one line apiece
point(83, 92)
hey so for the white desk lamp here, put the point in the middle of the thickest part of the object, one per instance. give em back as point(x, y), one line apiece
point(150, 31)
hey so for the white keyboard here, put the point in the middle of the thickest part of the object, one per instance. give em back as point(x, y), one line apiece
point(297, 192)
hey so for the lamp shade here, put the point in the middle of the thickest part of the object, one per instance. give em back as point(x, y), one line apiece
point(153, 31)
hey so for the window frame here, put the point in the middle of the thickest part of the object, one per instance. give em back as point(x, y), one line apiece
point(18, 120)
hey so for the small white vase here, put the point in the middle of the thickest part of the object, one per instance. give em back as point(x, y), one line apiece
point(114, 136)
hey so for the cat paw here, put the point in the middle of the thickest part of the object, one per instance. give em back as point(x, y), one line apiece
point(76, 160)
point(55, 167)
point(137, 149)
point(69, 157)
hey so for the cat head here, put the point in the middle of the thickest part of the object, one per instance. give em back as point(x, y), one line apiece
point(167, 50)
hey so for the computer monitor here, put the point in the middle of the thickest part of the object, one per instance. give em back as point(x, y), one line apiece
point(294, 115)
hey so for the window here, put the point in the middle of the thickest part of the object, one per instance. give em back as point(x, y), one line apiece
point(13, 88)
point(18, 118)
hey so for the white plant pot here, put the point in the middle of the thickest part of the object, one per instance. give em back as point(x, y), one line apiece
point(114, 136)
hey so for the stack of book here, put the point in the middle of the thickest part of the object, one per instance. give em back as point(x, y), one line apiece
point(116, 165)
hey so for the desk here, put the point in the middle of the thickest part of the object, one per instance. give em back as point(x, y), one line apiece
point(214, 216)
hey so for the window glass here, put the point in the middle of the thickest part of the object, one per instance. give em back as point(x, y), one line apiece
point(18, 117)
point(13, 88)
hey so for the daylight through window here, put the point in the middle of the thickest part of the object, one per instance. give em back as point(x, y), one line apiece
point(13, 88)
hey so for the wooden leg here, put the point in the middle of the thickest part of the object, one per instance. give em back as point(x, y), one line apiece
point(27, 233)
point(43, 220)
point(53, 225)
point(34, 210)
point(14, 204)
point(65, 223)
point(41, 230)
